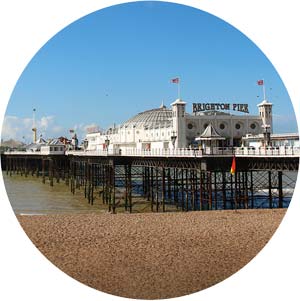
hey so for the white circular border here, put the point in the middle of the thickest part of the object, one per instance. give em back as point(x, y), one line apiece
point(25, 26)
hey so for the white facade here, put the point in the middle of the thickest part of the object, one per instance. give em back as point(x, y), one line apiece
point(277, 140)
point(53, 147)
point(155, 129)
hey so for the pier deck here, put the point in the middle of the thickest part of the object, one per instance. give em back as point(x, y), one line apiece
point(185, 179)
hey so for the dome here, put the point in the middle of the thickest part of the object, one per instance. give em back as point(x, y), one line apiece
point(161, 117)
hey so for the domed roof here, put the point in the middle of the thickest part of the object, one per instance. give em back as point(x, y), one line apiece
point(161, 117)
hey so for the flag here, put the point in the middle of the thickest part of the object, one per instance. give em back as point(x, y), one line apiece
point(175, 80)
point(233, 166)
point(260, 82)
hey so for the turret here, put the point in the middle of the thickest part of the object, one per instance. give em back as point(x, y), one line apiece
point(265, 113)
point(178, 110)
point(34, 126)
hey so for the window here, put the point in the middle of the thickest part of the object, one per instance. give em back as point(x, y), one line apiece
point(253, 126)
point(190, 126)
point(237, 126)
point(222, 126)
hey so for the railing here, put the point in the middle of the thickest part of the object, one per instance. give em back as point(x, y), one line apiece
point(280, 151)
point(34, 153)
point(22, 153)
point(184, 152)
point(140, 153)
point(213, 151)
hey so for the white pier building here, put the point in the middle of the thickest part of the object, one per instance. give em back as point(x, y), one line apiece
point(175, 128)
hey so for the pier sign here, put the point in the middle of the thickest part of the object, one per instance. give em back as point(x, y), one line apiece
point(201, 107)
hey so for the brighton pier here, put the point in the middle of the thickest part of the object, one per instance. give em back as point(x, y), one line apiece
point(159, 157)
point(182, 179)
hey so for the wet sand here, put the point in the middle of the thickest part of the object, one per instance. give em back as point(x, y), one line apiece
point(152, 255)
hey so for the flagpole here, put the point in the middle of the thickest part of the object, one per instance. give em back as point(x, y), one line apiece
point(264, 89)
point(178, 90)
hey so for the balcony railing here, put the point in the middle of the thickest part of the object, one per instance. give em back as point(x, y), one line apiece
point(281, 151)
point(210, 151)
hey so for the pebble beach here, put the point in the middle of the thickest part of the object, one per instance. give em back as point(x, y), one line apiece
point(152, 255)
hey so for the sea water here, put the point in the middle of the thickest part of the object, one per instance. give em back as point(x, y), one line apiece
point(28, 195)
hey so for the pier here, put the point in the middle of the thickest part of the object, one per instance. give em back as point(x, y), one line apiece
point(181, 179)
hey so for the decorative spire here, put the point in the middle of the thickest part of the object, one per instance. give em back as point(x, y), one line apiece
point(34, 125)
point(162, 106)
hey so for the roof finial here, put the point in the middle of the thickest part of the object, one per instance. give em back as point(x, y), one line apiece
point(162, 106)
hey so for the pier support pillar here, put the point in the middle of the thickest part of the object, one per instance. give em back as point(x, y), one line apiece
point(280, 194)
point(182, 189)
point(50, 170)
point(209, 182)
point(43, 171)
point(152, 188)
point(224, 190)
point(157, 190)
point(270, 189)
point(163, 188)
point(113, 188)
point(251, 189)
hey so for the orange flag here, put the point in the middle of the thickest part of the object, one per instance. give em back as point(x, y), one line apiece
point(233, 166)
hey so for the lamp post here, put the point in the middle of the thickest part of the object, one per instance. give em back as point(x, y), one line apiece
point(173, 139)
point(106, 143)
point(85, 144)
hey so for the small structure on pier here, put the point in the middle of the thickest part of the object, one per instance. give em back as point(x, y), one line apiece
point(209, 138)
point(53, 147)
point(276, 140)
point(36, 146)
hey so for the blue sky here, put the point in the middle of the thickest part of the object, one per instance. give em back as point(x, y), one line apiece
point(114, 63)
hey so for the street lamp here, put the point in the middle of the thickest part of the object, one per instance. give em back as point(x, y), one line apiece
point(173, 138)
point(106, 142)
point(85, 144)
